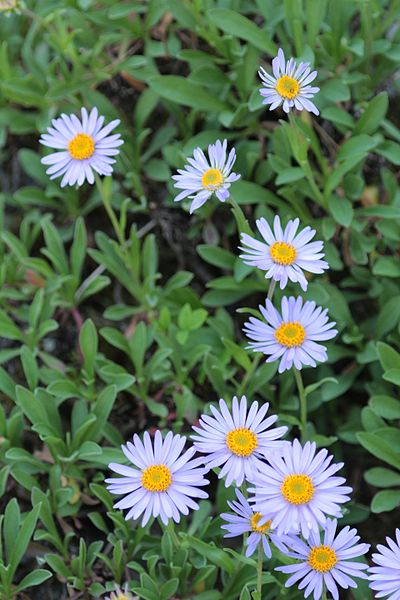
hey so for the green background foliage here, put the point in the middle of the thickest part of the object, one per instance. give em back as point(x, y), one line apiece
point(99, 342)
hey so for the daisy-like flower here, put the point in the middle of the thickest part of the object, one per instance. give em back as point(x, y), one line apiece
point(201, 177)
point(245, 520)
point(85, 145)
point(385, 577)
point(285, 253)
point(293, 335)
point(326, 562)
point(163, 481)
point(289, 85)
point(297, 489)
point(238, 439)
point(121, 594)
point(10, 6)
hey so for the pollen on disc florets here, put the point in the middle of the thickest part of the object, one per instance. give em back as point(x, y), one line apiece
point(242, 441)
point(254, 519)
point(156, 478)
point(290, 334)
point(212, 179)
point(297, 489)
point(81, 146)
point(322, 558)
point(287, 87)
point(283, 253)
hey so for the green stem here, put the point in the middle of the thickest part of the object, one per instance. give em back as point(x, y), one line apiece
point(299, 148)
point(172, 532)
point(324, 596)
point(241, 221)
point(303, 404)
point(105, 196)
point(248, 375)
point(259, 569)
point(271, 289)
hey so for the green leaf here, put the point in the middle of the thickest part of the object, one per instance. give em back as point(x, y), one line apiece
point(389, 357)
point(88, 341)
point(373, 115)
point(237, 25)
point(385, 501)
point(341, 210)
point(385, 406)
point(34, 578)
point(216, 256)
point(381, 477)
point(387, 266)
point(358, 145)
point(23, 538)
point(181, 91)
point(379, 448)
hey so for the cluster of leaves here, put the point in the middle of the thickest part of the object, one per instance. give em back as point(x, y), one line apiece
point(100, 341)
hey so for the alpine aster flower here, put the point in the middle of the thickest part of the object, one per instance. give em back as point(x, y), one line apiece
point(285, 254)
point(385, 578)
point(289, 85)
point(237, 439)
point(246, 520)
point(297, 489)
point(163, 481)
point(10, 6)
point(326, 562)
point(85, 145)
point(201, 177)
point(293, 335)
point(121, 594)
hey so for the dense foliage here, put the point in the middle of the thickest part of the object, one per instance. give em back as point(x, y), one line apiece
point(103, 337)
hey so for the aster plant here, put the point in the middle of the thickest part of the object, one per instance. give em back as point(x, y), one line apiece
point(298, 489)
point(84, 147)
point(325, 561)
point(385, 572)
point(163, 480)
point(239, 439)
point(285, 253)
point(289, 85)
point(203, 176)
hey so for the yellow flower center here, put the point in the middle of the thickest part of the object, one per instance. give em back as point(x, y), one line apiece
point(282, 253)
point(259, 528)
point(322, 558)
point(290, 334)
point(156, 478)
point(81, 147)
point(287, 87)
point(241, 442)
point(212, 179)
point(297, 489)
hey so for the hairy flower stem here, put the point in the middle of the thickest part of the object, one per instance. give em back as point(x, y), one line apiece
point(241, 221)
point(259, 569)
point(104, 189)
point(172, 532)
point(303, 404)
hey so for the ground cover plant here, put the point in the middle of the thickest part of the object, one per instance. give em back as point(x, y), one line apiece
point(200, 299)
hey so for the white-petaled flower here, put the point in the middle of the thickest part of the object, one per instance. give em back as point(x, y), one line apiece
point(246, 520)
point(121, 594)
point(297, 489)
point(285, 253)
point(85, 145)
point(289, 85)
point(163, 481)
point(201, 177)
point(327, 562)
point(385, 574)
point(292, 336)
point(11, 6)
point(238, 439)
